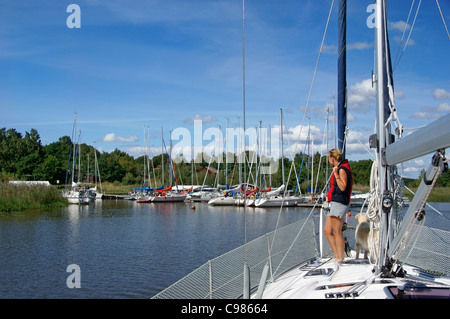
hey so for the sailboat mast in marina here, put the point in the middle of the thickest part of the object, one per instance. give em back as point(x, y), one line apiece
point(76, 194)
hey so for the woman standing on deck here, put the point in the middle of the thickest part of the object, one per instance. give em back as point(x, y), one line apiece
point(341, 183)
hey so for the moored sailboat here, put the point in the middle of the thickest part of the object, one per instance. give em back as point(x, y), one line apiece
point(168, 195)
point(76, 194)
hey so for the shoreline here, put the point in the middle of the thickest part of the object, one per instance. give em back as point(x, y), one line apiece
point(23, 197)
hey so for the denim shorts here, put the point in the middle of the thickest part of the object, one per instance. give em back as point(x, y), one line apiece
point(338, 210)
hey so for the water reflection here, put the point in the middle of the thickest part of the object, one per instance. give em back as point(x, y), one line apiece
point(124, 249)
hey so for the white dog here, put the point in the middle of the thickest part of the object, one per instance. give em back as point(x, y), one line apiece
point(363, 236)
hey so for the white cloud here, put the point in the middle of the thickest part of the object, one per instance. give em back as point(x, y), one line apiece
point(333, 49)
point(141, 151)
point(329, 49)
point(431, 113)
point(112, 137)
point(412, 168)
point(425, 115)
point(444, 107)
point(203, 118)
point(399, 25)
point(399, 94)
point(360, 94)
point(136, 151)
point(441, 94)
point(359, 46)
point(411, 42)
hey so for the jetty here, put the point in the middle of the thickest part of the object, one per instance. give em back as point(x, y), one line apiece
point(114, 196)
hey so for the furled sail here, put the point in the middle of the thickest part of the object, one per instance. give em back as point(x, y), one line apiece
point(342, 75)
point(387, 66)
point(385, 108)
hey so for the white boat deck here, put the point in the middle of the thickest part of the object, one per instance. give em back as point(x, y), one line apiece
point(324, 281)
point(327, 279)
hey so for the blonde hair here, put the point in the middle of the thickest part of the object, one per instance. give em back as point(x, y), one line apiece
point(336, 154)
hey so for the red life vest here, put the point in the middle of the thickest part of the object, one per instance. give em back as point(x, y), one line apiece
point(335, 194)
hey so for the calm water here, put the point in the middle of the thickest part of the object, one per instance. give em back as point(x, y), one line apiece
point(125, 249)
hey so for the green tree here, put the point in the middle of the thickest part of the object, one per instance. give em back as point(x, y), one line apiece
point(51, 170)
point(11, 149)
point(361, 171)
point(57, 161)
point(111, 167)
point(27, 165)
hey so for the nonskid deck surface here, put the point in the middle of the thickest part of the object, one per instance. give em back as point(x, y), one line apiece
point(316, 282)
point(326, 278)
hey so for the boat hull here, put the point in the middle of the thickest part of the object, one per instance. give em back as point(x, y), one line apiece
point(78, 200)
point(144, 200)
point(279, 201)
point(169, 198)
point(222, 201)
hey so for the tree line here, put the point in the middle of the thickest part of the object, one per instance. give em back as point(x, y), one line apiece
point(23, 157)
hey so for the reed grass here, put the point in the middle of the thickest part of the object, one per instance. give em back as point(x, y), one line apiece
point(437, 195)
point(22, 197)
point(117, 188)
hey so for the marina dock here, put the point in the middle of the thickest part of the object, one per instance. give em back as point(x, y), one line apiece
point(114, 196)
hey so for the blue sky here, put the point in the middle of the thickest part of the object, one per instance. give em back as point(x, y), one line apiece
point(163, 63)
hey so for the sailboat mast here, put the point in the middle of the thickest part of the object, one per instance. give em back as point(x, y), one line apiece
point(282, 152)
point(162, 157)
point(269, 139)
point(258, 167)
point(79, 158)
point(243, 86)
point(145, 156)
point(383, 74)
point(170, 159)
point(226, 154)
point(342, 75)
point(73, 152)
point(239, 151)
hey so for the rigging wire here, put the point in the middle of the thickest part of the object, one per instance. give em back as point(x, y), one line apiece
point(315, 70)
point(428, 205)
point(297, 144)
point(410, 232)
point(404, 31)
point(443, 20)
point(409, 36)
point(243, 101)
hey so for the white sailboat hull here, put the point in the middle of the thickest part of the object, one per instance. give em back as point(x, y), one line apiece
point(358, 199)
point(75, 199)
point(222, 201)
point(169, 198)
point(279, 201)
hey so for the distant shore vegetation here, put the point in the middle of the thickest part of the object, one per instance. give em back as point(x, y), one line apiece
point(23, 157)
point(23, 197)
